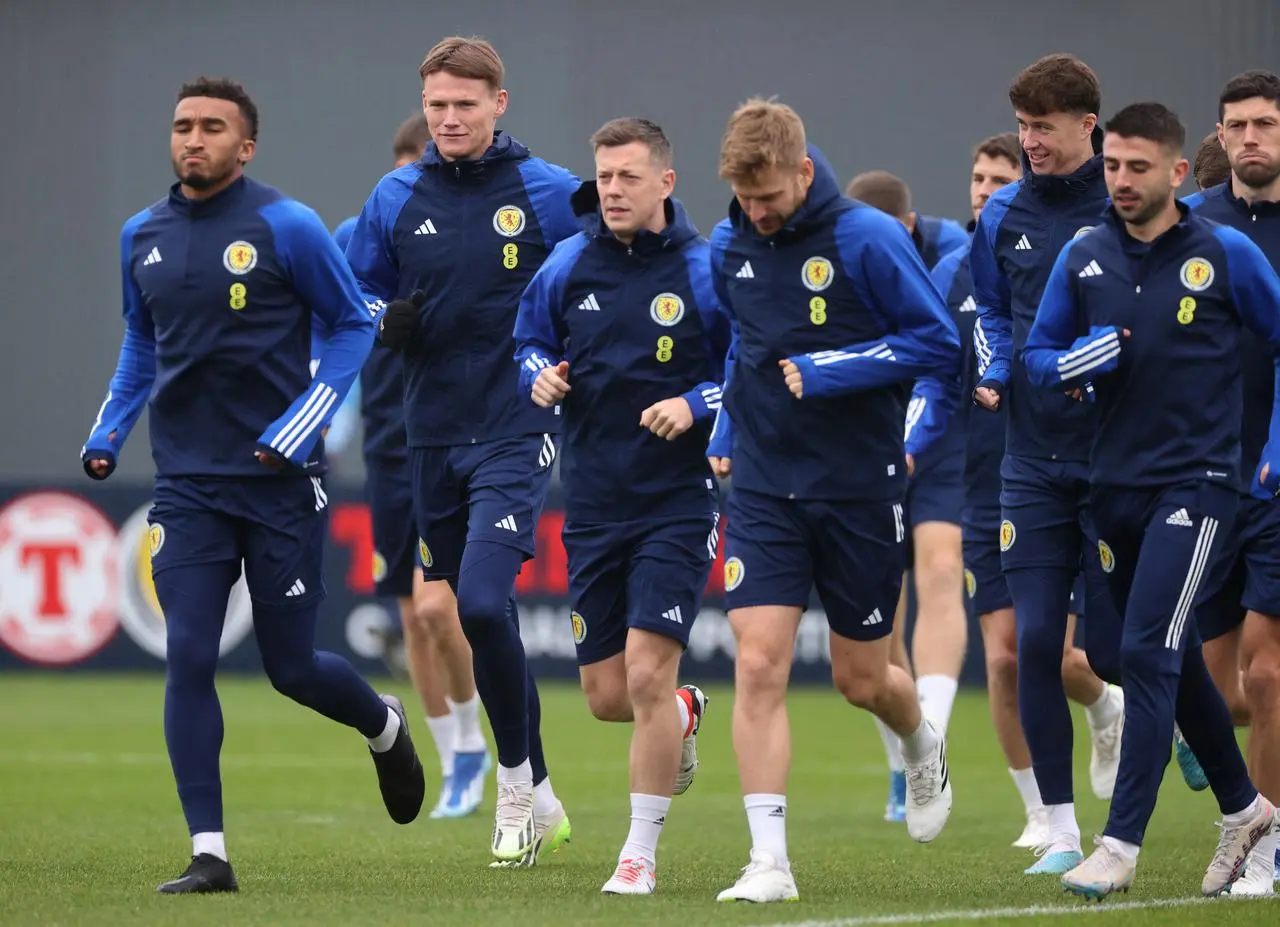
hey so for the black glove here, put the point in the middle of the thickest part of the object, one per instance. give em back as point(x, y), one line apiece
point(400, 319)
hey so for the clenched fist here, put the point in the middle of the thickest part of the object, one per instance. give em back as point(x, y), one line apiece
point(552, 385)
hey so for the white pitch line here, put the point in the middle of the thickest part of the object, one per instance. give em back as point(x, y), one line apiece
point(982, 914)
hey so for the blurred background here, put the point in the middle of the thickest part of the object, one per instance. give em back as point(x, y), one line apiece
point(90, 87)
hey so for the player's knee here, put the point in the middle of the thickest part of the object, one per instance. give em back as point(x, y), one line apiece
point(480, 603)
point(940, 575)
point(435, 609)
point(759, 672)
point(1132, 656)
point(1262, 684)
point(189, 659)
point(292, 676)
point(607, 696)
point(648, 682)
point(1002, 662)
point(862, 685)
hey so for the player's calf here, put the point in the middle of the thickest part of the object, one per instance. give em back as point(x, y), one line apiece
point(862, 673)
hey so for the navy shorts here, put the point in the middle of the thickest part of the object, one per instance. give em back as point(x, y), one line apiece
point(389, 492)
point(936, 493)
point(479, 492)
point(637, 574)
point(1246, 577)
point(983, 579)
point(275, 525)
point(779, 550)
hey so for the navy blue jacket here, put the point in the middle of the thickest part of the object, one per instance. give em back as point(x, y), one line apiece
point(471, 235)
point(974, 432)
point(1020, 232)
point(219, 296)
point(841, 292)
point(935, 238)
point(1261, 222)
point(638, 324)
point(1169, 395)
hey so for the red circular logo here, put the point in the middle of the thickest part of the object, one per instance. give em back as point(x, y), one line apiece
point(58, 578)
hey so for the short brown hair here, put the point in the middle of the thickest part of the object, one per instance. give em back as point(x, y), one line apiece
point(628, 129)
point(472, 58)
point(1248, 85)
point(1056, 84)
point(1005, 146)
point(884, 191)
point(762, 134)
point(1211, 165)
point(411, 138)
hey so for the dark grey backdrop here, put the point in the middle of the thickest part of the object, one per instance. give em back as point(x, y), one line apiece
point(908, 86)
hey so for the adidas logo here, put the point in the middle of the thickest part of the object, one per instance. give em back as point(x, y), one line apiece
point(673, 614)
point(296, 589)
point(426, 228)
point(1091, 270)
point(589, 304)
point(873, 618)
point(969, 305)
point(153, 257)
point(506, 524)
point(746, 273)
point(778, 812)
point(1180, 518)
point(1023, 244)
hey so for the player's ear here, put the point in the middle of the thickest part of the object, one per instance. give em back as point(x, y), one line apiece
point(502, 101)
point(247, 149)
point(668, 182)
point(1180, 169)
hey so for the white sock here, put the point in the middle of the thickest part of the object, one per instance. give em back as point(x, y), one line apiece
point(1028, 788)
point(544, 799)
point(210, 842)
point(444, 732)
point(892, 747)
point(937, 694)
point(767, 818)
point(1063, 828)
point(917, 745)
point(686, 717)
point(1264, 854)
point(1248, 811)
point(468, 738)
point(648, 814)
point(384, 741)
point(1126, 851)
point(1104, 710)
point(520, 776)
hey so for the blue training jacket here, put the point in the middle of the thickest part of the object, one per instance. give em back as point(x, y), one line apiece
point(219, 297)
point(637, 324)
point(841, 292)
point(470, 235)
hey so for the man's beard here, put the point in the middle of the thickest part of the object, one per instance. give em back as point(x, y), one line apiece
point(1255, 175)
point(199, 181)
point(1147, 211)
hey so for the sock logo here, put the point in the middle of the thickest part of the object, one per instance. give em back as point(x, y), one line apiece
point(778, 812)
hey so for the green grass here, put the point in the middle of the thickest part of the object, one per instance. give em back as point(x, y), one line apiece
point(89, 824)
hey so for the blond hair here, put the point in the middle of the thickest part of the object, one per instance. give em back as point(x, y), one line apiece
point(470, 58)
point(761, 135)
